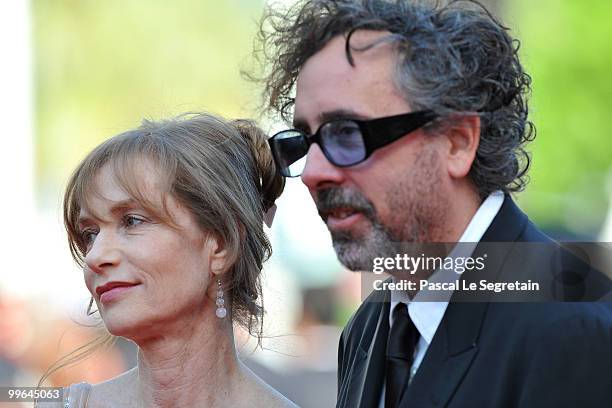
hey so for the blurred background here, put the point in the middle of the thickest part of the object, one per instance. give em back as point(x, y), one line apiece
point(75, 72)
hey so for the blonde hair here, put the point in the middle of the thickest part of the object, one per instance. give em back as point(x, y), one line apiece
point(221, 171)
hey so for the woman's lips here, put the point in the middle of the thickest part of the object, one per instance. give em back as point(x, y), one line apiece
point(115, 293)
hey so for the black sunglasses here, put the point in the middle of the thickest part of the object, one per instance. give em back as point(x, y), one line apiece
point(344, 142)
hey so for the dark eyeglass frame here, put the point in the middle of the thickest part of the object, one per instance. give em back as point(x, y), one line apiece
point(376, 133)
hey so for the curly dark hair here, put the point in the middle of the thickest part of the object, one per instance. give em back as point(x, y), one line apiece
point(452, 57)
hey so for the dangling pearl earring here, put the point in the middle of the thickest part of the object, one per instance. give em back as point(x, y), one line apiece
point(221, 310)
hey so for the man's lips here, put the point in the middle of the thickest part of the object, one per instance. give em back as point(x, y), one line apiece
point(341, 217)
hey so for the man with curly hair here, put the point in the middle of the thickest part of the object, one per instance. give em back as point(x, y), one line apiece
point(410, 121)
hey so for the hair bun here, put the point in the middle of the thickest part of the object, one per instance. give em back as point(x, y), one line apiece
point(271, 182)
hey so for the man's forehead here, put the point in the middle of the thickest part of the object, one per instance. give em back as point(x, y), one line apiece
point(366, 47)
point(328, 82)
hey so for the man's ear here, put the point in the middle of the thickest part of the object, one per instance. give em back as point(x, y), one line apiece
point(463, 133)
point(216, 252)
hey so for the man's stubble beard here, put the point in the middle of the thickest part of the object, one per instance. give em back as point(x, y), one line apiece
point(417, 211)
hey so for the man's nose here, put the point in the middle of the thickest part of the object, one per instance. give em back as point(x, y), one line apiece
point(319, 172)
point(104, 253)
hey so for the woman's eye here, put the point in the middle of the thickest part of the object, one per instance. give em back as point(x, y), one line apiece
point(88, 236)
point(132, 220)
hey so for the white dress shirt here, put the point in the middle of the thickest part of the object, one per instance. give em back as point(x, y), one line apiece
point(427, 316)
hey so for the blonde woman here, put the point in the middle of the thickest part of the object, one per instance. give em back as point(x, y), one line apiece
point(167, 222)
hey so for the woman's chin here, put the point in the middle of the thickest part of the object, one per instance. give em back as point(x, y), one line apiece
point(120, 331)
point(123, 326)
point(131, 327)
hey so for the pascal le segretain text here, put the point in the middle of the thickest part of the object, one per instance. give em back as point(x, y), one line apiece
point(457, 285)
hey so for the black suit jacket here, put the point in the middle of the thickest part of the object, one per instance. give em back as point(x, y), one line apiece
point(490, 354)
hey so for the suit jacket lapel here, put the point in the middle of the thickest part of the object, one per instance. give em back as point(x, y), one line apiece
point(455, 343)
point(368, 371)
point(448, 357)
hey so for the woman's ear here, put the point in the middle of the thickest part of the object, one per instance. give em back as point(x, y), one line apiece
point(216, 252)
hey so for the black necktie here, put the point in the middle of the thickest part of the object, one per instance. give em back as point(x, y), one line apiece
point(400, 350)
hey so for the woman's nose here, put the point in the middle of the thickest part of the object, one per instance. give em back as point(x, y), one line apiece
point(104, 253)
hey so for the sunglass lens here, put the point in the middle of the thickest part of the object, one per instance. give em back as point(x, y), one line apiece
point(343, 142)
point(289, 149)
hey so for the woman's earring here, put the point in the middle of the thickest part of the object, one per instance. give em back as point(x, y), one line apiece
point(221, 310)
point(89, 312)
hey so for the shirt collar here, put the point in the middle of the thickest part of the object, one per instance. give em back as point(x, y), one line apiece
point(427, 316)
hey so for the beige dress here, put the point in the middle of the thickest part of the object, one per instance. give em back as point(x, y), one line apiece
point(75, 396)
